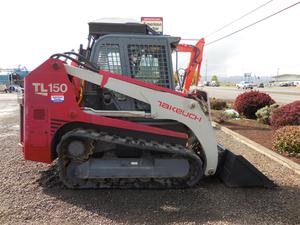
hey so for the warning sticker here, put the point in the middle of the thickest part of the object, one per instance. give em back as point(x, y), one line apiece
point(156, 23)
point(57, 98)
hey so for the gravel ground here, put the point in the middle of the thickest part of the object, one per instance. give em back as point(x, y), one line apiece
point(30, 193)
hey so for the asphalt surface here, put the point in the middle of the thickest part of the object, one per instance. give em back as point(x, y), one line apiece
point(280, 95)
point(31, 193)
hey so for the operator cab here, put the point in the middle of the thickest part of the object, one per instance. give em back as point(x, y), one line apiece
point(130, 49)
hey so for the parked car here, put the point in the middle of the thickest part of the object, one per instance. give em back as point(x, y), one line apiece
point(284, 84)
point(206, 83)
point(214, 84)
point(14, 88)
point(244, 85)
point(3, 88)
point(261, 85)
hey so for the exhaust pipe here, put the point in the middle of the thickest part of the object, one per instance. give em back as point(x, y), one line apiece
point(236, 171)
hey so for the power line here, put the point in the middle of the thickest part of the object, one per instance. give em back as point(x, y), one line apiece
point(221, 28)
point(232, 22)
point(252, 24)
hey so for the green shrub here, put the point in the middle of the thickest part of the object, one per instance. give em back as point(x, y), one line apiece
point(263, 114)
point(231, 113)
point(218, 104)
point(287, 140)
point(228, 114)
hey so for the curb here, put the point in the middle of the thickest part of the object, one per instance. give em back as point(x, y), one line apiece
point(260, 149)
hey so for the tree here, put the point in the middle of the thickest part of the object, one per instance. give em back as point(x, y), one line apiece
point(214, 78)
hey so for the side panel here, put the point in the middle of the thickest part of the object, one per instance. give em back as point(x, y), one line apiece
point(49, 103)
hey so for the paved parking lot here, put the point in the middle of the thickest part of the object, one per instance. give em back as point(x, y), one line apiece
point(280, 95)
point(30, 193)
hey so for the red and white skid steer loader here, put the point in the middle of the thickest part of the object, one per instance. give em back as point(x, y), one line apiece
point(112, 118)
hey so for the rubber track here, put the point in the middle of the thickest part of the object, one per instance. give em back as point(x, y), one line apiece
point(193, 177)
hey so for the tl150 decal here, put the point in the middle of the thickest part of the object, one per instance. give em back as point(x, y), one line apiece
point(42, 89)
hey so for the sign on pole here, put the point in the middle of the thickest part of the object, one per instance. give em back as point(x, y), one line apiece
point(247, 77)
point(156, 23)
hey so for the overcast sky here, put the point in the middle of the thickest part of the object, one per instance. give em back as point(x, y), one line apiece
point(31, 30)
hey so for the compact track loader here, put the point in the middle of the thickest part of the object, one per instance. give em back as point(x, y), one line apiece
point(116, 116)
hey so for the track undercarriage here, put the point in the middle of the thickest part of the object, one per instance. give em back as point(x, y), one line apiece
point(89, 159)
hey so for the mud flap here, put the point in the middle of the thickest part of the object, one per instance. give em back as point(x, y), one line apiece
point(236, 171)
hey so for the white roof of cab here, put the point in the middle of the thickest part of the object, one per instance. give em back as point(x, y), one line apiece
point(115, 20)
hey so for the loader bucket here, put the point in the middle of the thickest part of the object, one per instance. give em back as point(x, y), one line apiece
point(236, 171)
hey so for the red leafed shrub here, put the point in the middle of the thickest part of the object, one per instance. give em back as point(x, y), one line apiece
point(249, 102)
point(288, 114)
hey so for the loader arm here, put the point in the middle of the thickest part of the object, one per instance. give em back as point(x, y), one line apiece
point(165, 104)
point(194, 65)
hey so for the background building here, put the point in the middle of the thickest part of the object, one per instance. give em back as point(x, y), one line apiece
point(287, 78)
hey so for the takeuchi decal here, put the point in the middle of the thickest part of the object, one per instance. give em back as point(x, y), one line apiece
point(179, 111)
